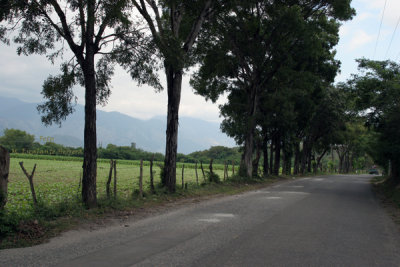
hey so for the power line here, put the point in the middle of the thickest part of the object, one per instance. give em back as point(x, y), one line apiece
point(391, 40)
point(380, 26)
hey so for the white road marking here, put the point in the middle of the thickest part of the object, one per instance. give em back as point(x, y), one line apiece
point(210, 220)
point(273, 197)
point(224, 215)
point(294, 192)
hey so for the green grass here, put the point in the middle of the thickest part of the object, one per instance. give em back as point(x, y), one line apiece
point(57, 186)
point(25, 156)
point(58, 181)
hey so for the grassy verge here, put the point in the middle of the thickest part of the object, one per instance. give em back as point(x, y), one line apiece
point(387, 189)
point(389, 196)
point(37, 224)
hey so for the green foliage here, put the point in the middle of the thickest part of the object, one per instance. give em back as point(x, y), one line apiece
point(162, 175)
point(8, 223)
point(376, 94)
point(275, 61)
point(59, 90)
point(127, 153)
point(17, 140)
point(219, 154)
point(212, 177)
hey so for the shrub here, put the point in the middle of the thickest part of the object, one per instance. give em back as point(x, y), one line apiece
point(213, 177)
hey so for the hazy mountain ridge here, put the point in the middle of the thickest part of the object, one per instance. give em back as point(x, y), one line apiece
point(113, 128)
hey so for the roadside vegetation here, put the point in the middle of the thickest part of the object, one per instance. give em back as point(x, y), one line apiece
point(274, 61)
point(59, 204)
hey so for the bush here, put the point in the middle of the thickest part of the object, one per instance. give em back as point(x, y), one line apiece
point(213, 177)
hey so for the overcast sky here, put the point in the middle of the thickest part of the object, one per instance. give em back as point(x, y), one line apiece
point(22, 77)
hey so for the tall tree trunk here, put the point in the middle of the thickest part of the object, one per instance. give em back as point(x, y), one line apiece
point(341, 151)
point(296, 160)
point(288, 164)
point(277, 148)
point(304, 157)
point(347, 162)
point(309, 161)
point(318, 160)
point(394, 171)
point(246, 167)
point(265, 153)
point(256, 160)
point(351, 163)
point(287, 159)
point(89, 192)
point(271, 157)
point(4, 171)
point(174, 86)
point(341, 162)
point(284, 157)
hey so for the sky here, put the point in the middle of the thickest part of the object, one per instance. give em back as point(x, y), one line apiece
point(22, 77)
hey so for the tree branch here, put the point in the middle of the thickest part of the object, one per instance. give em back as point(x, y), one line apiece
point(197, 26)
point(67, 33)
point(145, 14)
point(82, 22)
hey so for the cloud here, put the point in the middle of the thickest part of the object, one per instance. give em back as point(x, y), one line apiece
point(391, 15)
point(22, 77)
point(359, 39)
point(143, 102)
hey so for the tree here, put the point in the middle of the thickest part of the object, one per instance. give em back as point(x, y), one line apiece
point(174, 27)
point(4, 172)
point(18, 140)
point(86, 27)
point(376, 92)
point(255, 42)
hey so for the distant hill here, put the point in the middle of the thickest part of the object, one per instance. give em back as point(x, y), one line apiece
point(113, 128)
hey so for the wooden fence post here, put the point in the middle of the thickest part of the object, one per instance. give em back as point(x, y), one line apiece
point(211, 167)
point(141, 179)
point(225, 171)
point(4, 171)
point(30, 178)
point(197, 176)
point(202, 170)
point(115, 179)
point(183, 170)
point(109, 180)
point(151, 176)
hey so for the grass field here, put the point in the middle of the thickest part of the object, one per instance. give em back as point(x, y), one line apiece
point(58, 181)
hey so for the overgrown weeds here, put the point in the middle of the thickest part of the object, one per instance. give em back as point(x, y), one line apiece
point(388, 188)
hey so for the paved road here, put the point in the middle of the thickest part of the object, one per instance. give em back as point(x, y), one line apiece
point(320, 221)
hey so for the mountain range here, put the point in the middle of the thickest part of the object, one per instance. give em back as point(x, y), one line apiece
point(113, 128)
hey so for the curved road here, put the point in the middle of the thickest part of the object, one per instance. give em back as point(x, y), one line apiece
point(319, 221)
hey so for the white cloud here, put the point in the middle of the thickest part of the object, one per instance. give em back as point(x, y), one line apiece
point(143, 102)
point(22, 77)
point(359, 39)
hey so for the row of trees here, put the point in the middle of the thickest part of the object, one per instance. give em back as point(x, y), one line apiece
point(375, 95)
point(275, 61)
point(262, 53)
point(19, 141)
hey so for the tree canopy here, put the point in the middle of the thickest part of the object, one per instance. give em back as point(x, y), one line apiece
point(260, 49)
point(79, 30)
point(376, 94)
point(18, 140)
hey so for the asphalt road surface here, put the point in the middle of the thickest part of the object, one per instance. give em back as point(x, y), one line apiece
point(319, 221)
